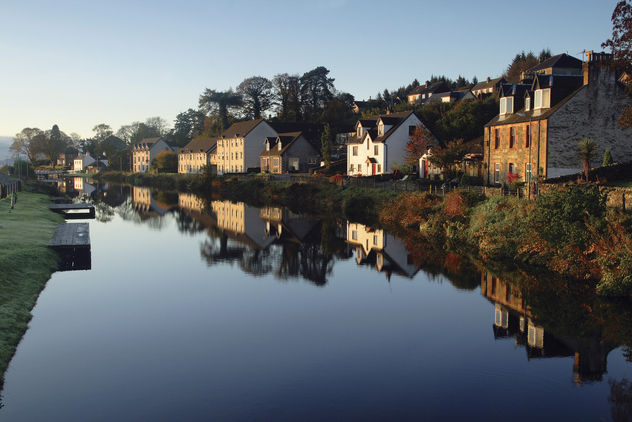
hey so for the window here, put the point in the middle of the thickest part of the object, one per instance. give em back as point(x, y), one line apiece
point(355, 151)
point(360, 167)
point(527, 103)
point(496, 138)
point(354, 235)
point(380, 130)
point(527, 172)
point(376, 150)
point(512, 168)
point(506, 105)
point(352, 167)
point(411, 130)
point(527, 137)
point(512, 137)
point(497, 173)
point(542, 98)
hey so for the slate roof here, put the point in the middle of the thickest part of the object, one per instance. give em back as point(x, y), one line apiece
point(487, 84)
point(393, 119)
point(561, 60)
point(200, 144)
point(241, 129)
point(439, 86)
point(531, 115)
point(145, 143)
point(287, 139)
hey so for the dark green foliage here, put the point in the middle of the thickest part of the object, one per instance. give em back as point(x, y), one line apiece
point(326, 145)
point(165, 162)
point(562, 215)
point(607, 158)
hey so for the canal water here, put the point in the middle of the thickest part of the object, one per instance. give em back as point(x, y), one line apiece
point(201, 310)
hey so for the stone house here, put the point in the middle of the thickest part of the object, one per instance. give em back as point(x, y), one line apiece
point(197, 154)
point(144, 151)
point(289, 152)
point(541, 121)
point(379, 143)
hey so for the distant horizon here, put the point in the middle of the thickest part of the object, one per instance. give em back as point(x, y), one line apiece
point(81, 65)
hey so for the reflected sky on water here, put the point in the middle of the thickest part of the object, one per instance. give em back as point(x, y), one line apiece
point(212, 310)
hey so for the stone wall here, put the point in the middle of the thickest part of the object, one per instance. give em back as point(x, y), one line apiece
point(592, 112)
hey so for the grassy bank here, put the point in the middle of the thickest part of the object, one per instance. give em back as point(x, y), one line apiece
point(26, 264)
point(567, 231)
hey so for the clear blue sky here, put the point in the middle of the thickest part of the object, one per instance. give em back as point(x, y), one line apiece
point(79, 63)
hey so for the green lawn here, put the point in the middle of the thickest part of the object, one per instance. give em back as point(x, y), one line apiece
point(26, 264)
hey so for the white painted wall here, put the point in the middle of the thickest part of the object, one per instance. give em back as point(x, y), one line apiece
point(254, 143)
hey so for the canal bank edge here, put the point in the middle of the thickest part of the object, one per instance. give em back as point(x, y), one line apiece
point(26, 264)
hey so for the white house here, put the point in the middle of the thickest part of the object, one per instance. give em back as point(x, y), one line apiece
point(379, 143)
point(82, 162)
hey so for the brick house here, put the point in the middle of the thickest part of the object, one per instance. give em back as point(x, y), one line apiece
point(541, 120)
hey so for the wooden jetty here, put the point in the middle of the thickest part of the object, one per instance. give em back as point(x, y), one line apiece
point(72, 243)
point(63, 208)
point(71, 236)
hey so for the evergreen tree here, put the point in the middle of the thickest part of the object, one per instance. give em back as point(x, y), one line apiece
point(326, 143)
point(607, 158)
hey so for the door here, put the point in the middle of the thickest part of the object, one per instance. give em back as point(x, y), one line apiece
point(373, 169)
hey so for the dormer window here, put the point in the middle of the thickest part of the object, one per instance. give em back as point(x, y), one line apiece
point(279, 145)
point(506, 105)
point(380, 129)
point(527, 104)
point(359, 131)
point(267, 145)
point(542, 98)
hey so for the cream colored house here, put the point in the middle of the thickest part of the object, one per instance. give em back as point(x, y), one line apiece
point(144, 151)
point(190, 202)
point(379, 143)
point(198, 153)
point(239, 146)
point(242, 223)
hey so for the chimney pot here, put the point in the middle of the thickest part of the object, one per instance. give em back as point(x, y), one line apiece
point(489, 79)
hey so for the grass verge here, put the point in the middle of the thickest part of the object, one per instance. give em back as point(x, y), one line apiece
point(26, 264)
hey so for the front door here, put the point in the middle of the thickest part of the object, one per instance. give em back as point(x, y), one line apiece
point(373, 169)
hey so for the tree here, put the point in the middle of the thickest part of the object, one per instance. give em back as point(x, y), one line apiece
point(28, 142)
point(621, 46)
point(326, 142)
point(256, 95)
point(158, 124)
point(444, 158)
point(316, 90)
point(587, 150)
point(607, 158)
point(219, 102)
point(165, 162)
point(519, 64)
point(138, 131)
point(102, 131)
point(418, 144)
point(621, 41)
point(287, 94)
point(55, 143)
point(188, 124)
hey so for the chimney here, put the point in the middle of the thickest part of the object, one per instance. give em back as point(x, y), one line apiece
point(489, 79)
point(427, 84)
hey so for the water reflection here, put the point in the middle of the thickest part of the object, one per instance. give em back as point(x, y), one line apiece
point(548, 318)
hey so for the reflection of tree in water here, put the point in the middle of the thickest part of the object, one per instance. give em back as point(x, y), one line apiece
point(256, 261)
point(103, 212)
point(306, 260)
point(620, 400)
point(187, 224)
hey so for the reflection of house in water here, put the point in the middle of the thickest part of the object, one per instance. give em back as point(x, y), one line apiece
point(380, 249)
point(143, 202)
point(512, 318)
point(243, 223)
point(79, 186)
point(283, 223)
point(190, 202)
